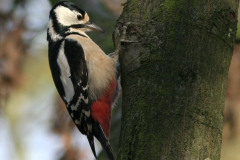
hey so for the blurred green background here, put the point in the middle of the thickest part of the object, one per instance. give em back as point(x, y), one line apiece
point(34, 124)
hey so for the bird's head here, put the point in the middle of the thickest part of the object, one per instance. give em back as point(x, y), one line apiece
point(66, 17)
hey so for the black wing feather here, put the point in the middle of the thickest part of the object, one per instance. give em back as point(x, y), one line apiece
point(79, 73)
point(79, 77)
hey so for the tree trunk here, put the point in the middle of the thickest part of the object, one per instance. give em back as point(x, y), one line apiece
point(174, 78)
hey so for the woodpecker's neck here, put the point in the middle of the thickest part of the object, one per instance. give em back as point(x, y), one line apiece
point(76, 31)
point(54, 31)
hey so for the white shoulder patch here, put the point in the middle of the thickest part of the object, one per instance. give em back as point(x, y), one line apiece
point(65, 75)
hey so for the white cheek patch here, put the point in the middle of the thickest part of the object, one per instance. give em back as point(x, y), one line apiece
point(65, 75)
point(67, 17)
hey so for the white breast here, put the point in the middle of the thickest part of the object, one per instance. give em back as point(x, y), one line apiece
point(101, 68)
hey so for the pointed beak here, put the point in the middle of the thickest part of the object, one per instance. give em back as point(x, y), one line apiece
point(93, 27)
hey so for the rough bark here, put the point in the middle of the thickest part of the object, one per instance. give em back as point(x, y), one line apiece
point(174, 78)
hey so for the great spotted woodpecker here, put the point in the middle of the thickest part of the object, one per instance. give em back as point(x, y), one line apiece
point(84, 75)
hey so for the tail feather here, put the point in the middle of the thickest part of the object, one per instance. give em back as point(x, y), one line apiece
point(99, 134)
point(91, 143)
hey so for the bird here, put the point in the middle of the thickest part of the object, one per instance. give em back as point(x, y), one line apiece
point(85, 77)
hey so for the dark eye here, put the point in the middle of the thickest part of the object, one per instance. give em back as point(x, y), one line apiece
point(79, 17)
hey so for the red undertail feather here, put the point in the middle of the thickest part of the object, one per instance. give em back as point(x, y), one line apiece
point(101, 109)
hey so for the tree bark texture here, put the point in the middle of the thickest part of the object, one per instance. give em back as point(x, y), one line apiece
point(174, 78)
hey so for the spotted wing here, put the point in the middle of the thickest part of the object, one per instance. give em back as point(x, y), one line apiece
point(70, 74)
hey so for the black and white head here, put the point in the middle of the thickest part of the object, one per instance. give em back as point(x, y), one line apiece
point(66, 18)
